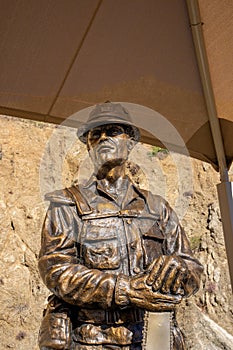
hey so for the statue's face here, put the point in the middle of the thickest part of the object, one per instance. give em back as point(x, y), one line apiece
point(109, 145)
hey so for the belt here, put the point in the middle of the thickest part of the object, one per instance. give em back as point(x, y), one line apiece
point(110, 317)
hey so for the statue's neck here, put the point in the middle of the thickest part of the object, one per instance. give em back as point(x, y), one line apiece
point(113, 179)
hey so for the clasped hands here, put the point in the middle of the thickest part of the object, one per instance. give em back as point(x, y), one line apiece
point(161, 286)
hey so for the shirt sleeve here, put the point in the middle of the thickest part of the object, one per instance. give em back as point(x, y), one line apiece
point(177, 243)
point(60, 266)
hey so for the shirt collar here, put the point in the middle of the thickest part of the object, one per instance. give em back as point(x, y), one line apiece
point(133, 191)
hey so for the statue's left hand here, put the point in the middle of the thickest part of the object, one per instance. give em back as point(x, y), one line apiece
point(168, 274)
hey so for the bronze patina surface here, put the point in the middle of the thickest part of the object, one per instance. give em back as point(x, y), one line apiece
point(111, 251)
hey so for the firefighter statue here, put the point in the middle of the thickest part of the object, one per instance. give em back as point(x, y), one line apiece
point(110, 251)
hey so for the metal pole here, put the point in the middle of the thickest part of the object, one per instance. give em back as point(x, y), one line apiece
point(226, 206)
point(224, 188)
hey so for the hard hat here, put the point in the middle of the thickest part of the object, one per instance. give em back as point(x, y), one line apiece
point(108, 113)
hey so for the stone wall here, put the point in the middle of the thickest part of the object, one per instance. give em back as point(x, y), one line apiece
point(36, 158)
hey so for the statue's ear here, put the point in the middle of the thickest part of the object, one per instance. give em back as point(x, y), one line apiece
point(88, 143)
point(130, 144)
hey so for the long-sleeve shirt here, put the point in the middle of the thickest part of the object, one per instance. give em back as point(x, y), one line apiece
point(85, 251)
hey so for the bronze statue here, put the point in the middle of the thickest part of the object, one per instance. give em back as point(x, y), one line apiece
point(111, 251)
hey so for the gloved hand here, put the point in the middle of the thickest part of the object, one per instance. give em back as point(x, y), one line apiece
point(144, 296)
point(168, 274)
point(136, 291)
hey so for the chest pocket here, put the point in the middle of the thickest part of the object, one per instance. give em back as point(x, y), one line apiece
point(100, 246)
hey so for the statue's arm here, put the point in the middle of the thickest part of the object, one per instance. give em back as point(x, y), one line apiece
point(60, 267)
point(178, 270)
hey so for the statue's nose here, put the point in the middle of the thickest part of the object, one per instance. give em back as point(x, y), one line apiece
point(103, 135)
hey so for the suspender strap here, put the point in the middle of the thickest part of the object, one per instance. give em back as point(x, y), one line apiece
point(81, 202)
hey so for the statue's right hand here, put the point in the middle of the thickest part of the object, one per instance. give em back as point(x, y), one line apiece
point(142, 295)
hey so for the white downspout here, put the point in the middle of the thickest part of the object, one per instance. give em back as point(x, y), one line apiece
point(196, 26)
point(225, 187)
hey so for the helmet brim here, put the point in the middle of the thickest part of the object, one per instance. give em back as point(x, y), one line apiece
point(105, 120)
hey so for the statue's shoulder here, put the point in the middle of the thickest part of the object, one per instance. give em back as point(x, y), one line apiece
point(73, 195)
point(62, 196)
point(153, 198)
point(155, 202)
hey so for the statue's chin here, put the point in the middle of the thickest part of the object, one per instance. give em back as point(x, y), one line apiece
point(106, 167)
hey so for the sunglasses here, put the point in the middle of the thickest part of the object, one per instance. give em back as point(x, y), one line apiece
point(109, 130)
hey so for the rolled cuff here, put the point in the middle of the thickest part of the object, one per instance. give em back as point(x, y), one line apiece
point(122, 290)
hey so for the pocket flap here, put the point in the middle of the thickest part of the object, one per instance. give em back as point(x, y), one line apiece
point(55, 331)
